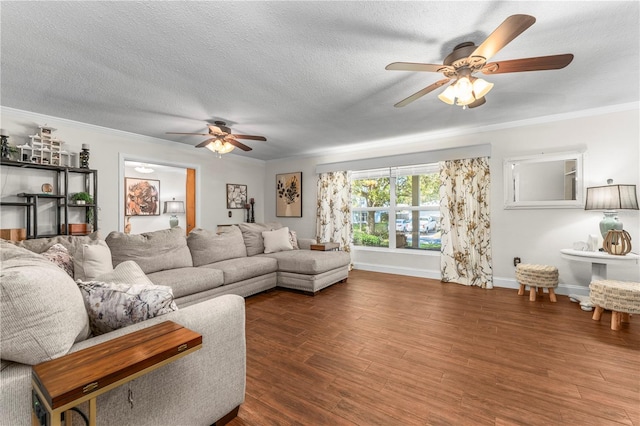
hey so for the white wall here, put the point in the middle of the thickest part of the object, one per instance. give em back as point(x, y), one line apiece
point(610, 140)
point(107, 145)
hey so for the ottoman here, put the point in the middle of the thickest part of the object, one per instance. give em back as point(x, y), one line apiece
point(537, 277)
point(620, 297)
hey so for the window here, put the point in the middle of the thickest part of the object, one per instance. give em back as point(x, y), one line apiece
point(396, 207)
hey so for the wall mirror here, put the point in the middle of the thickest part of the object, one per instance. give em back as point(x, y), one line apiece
point(544, 181)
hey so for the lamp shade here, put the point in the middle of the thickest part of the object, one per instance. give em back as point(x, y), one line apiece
point(611, 197)
point(173, 207)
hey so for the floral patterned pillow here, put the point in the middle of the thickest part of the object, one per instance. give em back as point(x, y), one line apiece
point(124, 297)
point(293, 240)
point(59, 255)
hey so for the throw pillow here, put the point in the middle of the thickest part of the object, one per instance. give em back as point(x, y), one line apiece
point(275, 241)
point(252, 235)
point(42, 311)
point(293, 240)
point(59, 255)
point(152, 251)
point(208, 247)
point(91, 260)
point(123, 297)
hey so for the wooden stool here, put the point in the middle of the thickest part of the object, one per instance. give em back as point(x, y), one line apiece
point(537, 277)
point(620, 297)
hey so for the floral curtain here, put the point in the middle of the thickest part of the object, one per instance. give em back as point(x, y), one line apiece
point(333, 223)
point(466, 232)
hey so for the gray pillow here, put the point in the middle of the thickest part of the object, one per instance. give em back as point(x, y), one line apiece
point(152, 251)
point(208, 247)
point(70, 242)
point(252, 235)
point(123, 297)
point(41, 308)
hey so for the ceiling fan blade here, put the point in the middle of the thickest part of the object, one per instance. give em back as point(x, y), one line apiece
point(237, 144)
point(422, 92)
point(255, 138)
point(477, 102)
point(411, 66)
point(176, 133)
point(540, 63)
point(511, 28)
point(205, 143)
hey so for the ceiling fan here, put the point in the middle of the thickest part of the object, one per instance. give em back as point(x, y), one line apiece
point(467, 59)
point(222, 140)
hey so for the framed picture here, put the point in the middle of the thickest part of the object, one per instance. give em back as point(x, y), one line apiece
point(142, 197)
point(289, 195)
point(236, 196)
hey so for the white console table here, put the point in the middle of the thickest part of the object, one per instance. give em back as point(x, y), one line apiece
point(599, 261)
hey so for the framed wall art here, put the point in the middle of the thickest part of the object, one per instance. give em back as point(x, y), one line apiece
point(289, 195)
point(142, 197)
point(236, 196)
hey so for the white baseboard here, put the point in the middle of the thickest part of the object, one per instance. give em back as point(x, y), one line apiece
point(563, 288)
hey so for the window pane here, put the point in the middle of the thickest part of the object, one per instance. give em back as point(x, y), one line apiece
point(370, 192)
point(424, 236)
point(418, 190)
point(371, 228)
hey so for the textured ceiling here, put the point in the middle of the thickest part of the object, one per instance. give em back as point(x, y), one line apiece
point(307, 75)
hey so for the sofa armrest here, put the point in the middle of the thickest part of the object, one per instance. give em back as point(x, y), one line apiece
point(305, 243)
point(198, 389)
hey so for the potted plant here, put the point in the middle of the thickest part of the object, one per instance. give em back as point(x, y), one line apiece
point(82, 198)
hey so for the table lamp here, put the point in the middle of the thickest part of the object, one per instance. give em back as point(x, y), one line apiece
point(610, 199)
point(173, 207)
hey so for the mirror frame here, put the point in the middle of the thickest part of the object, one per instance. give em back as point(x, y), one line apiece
point(509, 203)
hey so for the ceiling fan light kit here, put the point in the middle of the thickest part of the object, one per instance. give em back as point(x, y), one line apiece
point(467, 58)
point(222, 141)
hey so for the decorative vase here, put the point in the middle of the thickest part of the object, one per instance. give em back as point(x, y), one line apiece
point(617, 242)
point(609, 222)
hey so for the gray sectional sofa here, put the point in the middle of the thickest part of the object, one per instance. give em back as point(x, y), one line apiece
point(44, 315)
point(232, 260)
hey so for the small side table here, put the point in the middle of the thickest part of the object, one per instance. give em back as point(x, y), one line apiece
point(65, 382)
point(599, 261)
point(326, 247)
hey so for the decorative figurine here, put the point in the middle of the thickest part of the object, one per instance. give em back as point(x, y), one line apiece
point(4, 136)
point(247, 206)
point(253, 218)
point(84, 156)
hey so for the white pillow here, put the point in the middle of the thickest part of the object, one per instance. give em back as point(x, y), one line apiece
point(91, 260)
point(278, 240)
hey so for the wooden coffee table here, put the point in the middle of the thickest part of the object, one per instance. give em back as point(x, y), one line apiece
point(65, 382)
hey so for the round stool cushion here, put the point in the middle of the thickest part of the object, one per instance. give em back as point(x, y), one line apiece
point(537, 275)
point(619, 296)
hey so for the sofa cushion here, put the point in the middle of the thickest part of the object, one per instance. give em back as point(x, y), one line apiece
point(186, 281)
point(277, 240)
point(309, 261)
point(59, 256)
point(91, 260)
point(123, 297)
point(240, 269)
point(152, 251)
point(41, 308)
point(70, 242)
point(252, 235)
point(209, 247)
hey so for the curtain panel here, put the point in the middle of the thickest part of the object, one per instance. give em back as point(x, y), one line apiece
point(333, 222)
point(465, 222)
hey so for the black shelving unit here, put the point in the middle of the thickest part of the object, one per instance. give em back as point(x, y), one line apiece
point(33, 200)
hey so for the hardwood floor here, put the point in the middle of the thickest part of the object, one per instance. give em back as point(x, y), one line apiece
point(393, 350)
